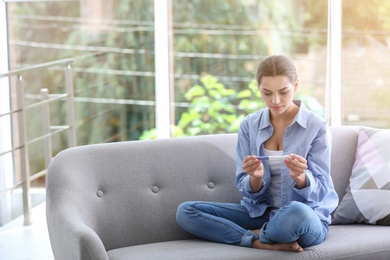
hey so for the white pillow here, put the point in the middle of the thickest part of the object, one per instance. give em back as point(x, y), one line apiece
point(367, 198)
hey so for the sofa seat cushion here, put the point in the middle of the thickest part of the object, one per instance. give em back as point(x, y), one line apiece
point(367, 198)
point(196, 249)
point(343, 242)
point(355, 242)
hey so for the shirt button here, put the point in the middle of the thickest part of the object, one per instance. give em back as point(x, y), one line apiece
point(284, 180)
point(286, 135)
point(284, 197)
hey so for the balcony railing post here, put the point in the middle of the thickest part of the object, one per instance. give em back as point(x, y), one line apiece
point(70, 106)
point(24, 153)
point(46, 125)
point(21, 131)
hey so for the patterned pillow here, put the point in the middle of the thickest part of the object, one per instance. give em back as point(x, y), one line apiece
point(367, 198)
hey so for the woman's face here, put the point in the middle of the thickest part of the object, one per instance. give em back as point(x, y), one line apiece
point(277, 93)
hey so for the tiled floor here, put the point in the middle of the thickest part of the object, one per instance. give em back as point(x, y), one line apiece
point(26, 242)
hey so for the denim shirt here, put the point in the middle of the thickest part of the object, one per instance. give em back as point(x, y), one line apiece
point(308, 136)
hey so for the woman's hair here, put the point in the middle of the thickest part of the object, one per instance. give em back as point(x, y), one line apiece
point(276, 65)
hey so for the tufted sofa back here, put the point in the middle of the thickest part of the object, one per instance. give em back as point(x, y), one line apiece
point(128, 192)
point(344, 143)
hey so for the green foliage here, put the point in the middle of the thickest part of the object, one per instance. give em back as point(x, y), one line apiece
point(214, 108)
point(364, 21)
point(368, 18)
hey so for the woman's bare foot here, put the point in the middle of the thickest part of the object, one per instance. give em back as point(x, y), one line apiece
point(294, 246)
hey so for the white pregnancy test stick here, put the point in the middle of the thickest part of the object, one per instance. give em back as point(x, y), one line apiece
point(276, 157)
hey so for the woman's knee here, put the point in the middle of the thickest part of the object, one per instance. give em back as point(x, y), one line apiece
point(182, 208)
point(299, 211)
point(299, 207)
point(183, 212)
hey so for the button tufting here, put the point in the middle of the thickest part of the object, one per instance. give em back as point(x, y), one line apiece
point(99, 193)
point(155, 189)
point(211, 185)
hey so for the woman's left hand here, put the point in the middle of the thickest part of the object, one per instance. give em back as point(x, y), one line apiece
point(297, 165)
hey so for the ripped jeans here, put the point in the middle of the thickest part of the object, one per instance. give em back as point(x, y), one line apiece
point(231, 224)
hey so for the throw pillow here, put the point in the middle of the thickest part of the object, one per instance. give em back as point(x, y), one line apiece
point(367, 198)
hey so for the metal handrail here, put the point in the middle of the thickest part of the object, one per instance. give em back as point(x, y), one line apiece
point(37, 104)
point(44, 103)
point(46, 65)
point(32, 178)
point(37, 67)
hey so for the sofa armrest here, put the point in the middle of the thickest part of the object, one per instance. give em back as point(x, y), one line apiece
point(72, 238)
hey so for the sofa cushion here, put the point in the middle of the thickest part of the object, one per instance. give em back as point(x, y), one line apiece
point(343, 242)
point(367, 198)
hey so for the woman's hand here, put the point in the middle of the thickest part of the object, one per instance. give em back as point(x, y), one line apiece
point(254, 167)
point(297, 165)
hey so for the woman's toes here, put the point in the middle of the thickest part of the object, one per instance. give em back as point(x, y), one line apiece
point(296, 247)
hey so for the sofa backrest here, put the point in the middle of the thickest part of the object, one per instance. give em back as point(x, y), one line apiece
point(128, 192)
point(344, 143)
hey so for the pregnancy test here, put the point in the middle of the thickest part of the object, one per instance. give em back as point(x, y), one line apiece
point(276, 157)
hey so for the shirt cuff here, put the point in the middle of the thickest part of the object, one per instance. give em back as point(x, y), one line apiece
point(307, 190)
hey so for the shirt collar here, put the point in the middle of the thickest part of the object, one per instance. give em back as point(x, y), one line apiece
point(301, 117)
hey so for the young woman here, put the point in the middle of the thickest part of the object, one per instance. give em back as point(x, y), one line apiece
point(287, 197)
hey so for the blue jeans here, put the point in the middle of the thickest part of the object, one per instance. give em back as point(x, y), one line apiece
point(231, 224)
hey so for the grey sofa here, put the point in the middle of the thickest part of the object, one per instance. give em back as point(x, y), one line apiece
point(119, 200)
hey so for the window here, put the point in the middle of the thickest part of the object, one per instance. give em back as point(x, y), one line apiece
point(217, 46)
point(365, 63)
point(112, 44)
point(212, 49)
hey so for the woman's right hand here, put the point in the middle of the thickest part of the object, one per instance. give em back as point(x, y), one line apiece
point(254, 168)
